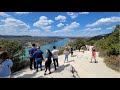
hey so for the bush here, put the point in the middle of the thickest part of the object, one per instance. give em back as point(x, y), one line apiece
point(18, 64)
point(15, 50)
point(113, 62)
point(110, 49)
point(61, 50)
point(12, 47)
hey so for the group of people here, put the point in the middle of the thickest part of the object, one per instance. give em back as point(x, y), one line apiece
point(36, 57)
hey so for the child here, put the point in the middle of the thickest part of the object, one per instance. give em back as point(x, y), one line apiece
point(66, 52)
point(93, 55)
point(5, 65)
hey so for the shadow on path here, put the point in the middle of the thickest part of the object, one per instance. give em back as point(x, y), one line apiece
point(61, 68)
point(28, 75)
point(74, 55)
point(71, 61)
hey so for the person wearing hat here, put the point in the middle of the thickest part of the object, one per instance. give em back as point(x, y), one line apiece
point(38, 58)
point(5, 65)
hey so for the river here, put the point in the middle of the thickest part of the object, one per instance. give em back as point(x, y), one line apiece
point(58, 44)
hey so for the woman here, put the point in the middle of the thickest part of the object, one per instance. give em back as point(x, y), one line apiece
point(5, 65)
point(93, 55)
point(48, 61)
point(66, 52)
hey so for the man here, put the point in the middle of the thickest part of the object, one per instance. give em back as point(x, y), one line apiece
point(32, 59)
point(38, 58)
point(55, 56)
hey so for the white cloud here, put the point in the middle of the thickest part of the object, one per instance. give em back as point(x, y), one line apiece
point(104, 21)
point(72, 15)
point(84, 13)
point(60, 25)
point(91, 29)
point(70, 27)
point(13, 26)
point(22, 12)
point(46, 28)
point(109, 28)
point(61, 18)
point(4, 14)
point(43, 21)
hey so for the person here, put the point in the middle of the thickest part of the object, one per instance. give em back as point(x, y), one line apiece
point(66, 52)
point(48, 61)
point(79, 48)
point(93, 55)
point(71, 51)
point(5, 65)
point(38, 58)
point(55, 56)
point(32, 59)
point(0, 48)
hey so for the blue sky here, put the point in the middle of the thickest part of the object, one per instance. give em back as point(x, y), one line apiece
point(58, 23)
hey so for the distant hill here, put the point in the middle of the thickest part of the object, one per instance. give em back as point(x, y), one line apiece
point(99, 37)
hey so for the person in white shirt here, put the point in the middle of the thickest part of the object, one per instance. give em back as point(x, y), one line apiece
point(66, 52)
point(55, 56)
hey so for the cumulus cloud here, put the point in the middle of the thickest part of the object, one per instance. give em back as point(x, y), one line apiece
point(12, 25)
point(84, 13)
point(72, 15)
point(47, 28)
point(60, 25)
point(43, 21)
point(23, 12)
point(61, 18)
point(4, 14)
point(104, 21)
point(69, 27)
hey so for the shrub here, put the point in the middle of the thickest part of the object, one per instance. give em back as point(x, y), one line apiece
point(15, 50)
point(113, 62)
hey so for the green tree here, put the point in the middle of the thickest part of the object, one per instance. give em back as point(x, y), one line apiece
point(12, 47)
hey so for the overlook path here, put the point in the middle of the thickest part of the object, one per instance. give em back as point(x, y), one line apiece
point(80, 62)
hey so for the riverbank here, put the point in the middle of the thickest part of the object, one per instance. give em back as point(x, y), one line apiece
point(79, 66)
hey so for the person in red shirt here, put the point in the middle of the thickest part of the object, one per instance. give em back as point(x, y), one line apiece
point(93, 55)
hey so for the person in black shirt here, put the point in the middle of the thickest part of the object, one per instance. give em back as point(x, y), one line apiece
point(71, 52)
point(48, 61)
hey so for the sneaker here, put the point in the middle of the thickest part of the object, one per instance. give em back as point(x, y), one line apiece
point(44, 73)
point(96, 61)
point(49, 72)
point(31, 69)
point(90, 61)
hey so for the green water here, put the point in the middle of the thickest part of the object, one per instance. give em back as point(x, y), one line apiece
point(58, 44)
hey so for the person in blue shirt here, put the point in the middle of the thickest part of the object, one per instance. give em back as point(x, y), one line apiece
point(38, 58)
point(48, 61)
point(32, 59)
point(5, 65)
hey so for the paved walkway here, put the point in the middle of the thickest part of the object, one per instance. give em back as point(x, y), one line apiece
point(80, 62)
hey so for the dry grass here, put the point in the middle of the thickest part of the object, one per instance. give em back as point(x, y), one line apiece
point(113, 62)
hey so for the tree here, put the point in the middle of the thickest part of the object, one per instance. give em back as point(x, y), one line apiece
point(12, 47)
